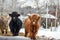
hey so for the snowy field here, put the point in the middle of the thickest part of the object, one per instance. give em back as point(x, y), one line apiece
point(14, 38)
point(47, 32)
point(43, 34)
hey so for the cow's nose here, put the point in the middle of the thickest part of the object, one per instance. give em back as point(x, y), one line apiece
point(13, 17)
point(33, 22)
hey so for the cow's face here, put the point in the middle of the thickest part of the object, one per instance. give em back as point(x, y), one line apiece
point(14, 18)
point(34, 19)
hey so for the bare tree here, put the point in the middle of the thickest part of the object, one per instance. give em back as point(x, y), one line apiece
point(37, 4)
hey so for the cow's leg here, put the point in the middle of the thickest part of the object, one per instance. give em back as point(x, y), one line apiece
point(33, 36)
point(15, 32)
point(26, 33)
point(35, 32)
point(6, 31)
point(2, 32)
point(30, 35)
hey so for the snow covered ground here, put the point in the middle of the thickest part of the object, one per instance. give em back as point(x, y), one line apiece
point(47, 32)
point(44, 32)
point(14, 38)
point(55, 35)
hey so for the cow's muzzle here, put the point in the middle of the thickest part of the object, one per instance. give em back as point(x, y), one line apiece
point(33, 22)
point(13, 17)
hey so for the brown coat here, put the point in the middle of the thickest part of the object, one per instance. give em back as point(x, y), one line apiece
point(31, 25)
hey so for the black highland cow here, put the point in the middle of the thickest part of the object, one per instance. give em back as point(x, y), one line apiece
point(15, 23)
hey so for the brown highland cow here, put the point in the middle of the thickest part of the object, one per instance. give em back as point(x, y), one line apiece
point(32, 25)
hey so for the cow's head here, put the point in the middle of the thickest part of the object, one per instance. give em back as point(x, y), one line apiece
point(14, 16)
point(34, 18)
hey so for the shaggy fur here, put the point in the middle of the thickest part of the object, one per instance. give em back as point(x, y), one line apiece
point(32, 25)
point(4, 24)
point(15, 23)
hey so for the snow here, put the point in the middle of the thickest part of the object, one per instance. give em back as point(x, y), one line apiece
point(22, 30)
point(58, 28)
point(41, 32)
point(48, 16)
point(47, 32)
point(14, 38)
point(53, 34)
point(23, 17)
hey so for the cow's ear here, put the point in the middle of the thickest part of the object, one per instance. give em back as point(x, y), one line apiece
point(10, 15)
point(18, 15)
point(38, 18)
point(30, 17)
